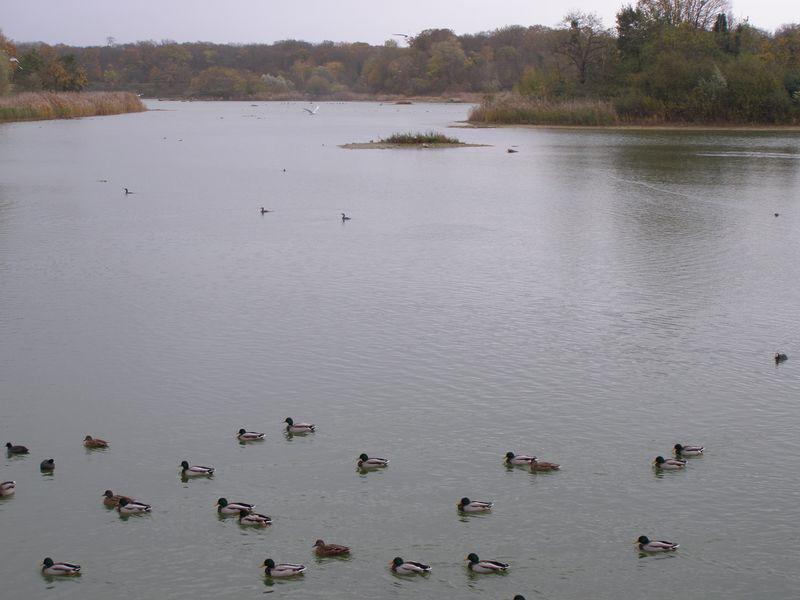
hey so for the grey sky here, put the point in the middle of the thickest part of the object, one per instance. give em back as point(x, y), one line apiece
point(90, 22)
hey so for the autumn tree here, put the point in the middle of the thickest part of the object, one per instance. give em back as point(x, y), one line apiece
point(699, 14)
point(583, 42)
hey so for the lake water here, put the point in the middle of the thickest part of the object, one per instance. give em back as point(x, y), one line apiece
point(592, 299)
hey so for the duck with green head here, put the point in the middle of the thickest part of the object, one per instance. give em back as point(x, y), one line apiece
point(282, 569)
point(476, 565)
point(645, 544)
point(51, 568)
point(409, 567)
point(292, 427)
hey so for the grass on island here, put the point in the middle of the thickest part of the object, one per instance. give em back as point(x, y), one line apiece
point(415, 139)
point(67, 105)
point(518, 110)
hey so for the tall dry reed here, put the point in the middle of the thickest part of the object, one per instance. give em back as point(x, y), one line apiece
point(519, 110)
point(67, 105)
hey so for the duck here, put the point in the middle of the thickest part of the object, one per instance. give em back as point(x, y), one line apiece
point(282, 569)
point(467, 505)
point(195, 471)
point(254, 519)
point(233, 508)
point(131, 507)
point(645, 544)
point(293, 427)
point(543, 467)
point(91, 442)
point(681, 451)
point(518, 459)
point(249, 436)
point(345, 217)
point(127, 191)
point(264, 211)
point(112, 500)
point(668, 464)
point(780, 357)
point(365, 462)
point(12, 449)
point(59, 568)
point(477, 565)
point(323, 549)
point(408, 567)
point(48, 464)
point(7, 488)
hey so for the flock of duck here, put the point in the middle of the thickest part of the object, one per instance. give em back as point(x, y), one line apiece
point(247, 517)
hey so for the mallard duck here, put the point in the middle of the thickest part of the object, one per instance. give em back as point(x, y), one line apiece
point(48, 464)
point(112, 501)
point(59, 568)
point(484, 566)
point(12, 449)
point(467, 505)
point(681, 451)
point(780, 357)
point(282, 569)
point(7, 488)
point(91, 442)
point(645, 544)
point(518, 459)
point(408, 567)
point(232, 508)
point(668, 464)
point(543, 467)
point(252, 519)
point(323, 549)
point(131, 507)
point(195, 471)
point(293, 427)
point(365, 462)
point(249, 436)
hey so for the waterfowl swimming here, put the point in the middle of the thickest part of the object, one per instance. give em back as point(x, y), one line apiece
point(543, 467)
point(780, 357)
point(518, 597)
point(131, 507)
point(323, 549)
point(48, 464)
point(264, 210)
point(233, 508)
point(112, 501)
point(518, 459)
point(195, 471)
point(12, 449)
point(59, 568)
point(254, 519)
point(409, 567)
point(467, 505)
point(293, 427)
point(7, 488)
point(477, 565)
point(282, 569)
point(127, 191)
point(91, 442)
point(345, 217)
point(365, 462)
point(668, 464)
point(249, 436)
point(681, 451)
point(645, 544)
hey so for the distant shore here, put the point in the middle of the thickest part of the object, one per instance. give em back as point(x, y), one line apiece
point(634, 127)
point(38, 106)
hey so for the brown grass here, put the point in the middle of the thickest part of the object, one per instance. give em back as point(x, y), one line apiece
point(518, 110)
point(67, 105)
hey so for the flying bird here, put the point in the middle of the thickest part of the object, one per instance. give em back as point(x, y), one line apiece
point(312, 111)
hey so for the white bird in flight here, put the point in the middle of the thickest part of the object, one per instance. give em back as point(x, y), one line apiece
point(312, 112)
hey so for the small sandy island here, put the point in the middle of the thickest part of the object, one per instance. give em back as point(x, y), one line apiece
point(428, 139)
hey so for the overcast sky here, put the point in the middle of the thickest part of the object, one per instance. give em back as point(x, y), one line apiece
point(90, 22)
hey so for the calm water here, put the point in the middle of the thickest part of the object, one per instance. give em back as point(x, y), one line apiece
point(593, 299)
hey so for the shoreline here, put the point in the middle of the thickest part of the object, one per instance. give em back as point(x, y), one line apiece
point(389, 146)
point(634, 127)
point(47, 106)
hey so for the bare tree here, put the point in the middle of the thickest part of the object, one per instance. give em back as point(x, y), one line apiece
point(584, 41)
point(700, 14)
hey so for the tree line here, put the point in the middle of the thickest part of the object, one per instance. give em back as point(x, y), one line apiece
point(666, 60)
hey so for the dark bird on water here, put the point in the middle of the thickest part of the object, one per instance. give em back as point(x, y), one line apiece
point(780, 357)
point(12, 449)
point(127, 191)
point(345, 217)
point(512, 151)
point(48, 464)
point(777, 214)
point(264, 211)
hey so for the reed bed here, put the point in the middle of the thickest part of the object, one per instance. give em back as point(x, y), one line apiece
point(428, 137)
point(519, 110)
point(67, 105)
